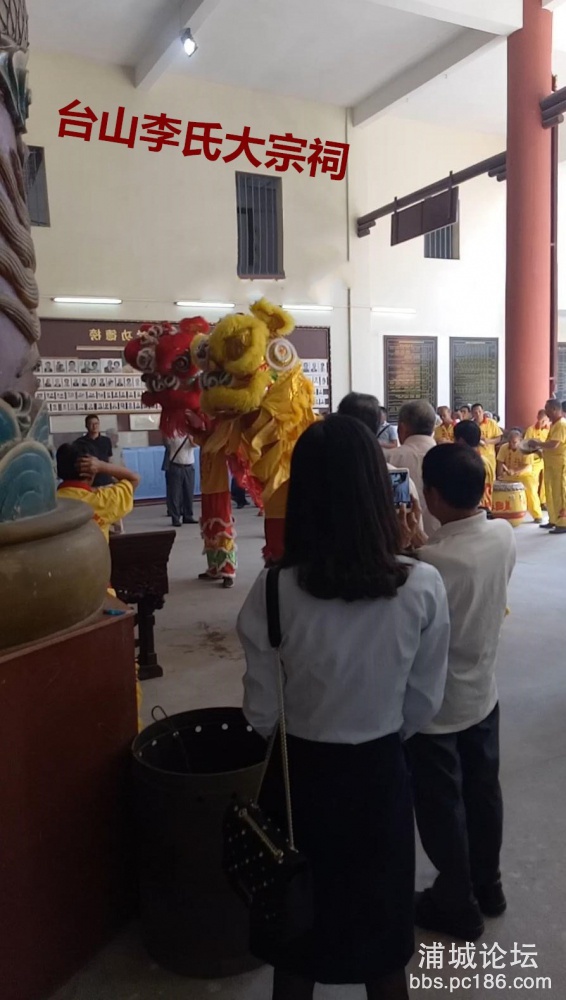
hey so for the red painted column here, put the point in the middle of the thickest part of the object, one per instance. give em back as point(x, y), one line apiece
point(529, 79)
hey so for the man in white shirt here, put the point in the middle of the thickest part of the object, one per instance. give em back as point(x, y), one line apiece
point(455, 759)
point(180, 478)
point(416, 428)
point(387, 433)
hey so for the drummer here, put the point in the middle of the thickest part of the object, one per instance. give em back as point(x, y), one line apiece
point(444, 432)
point(539, 432)
point(516, 466)
point(468, 433)
point(491, 434)
point(554, 454)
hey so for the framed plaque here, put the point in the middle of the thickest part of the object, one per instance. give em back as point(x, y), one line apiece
point(410, 372)
point(560, 387)
point(474, 372)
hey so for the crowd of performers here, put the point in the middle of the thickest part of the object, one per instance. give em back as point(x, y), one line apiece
point(533, 457)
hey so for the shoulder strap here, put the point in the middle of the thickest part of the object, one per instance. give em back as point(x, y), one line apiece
point(272, 602)
point(182, 445)
point(274, 632)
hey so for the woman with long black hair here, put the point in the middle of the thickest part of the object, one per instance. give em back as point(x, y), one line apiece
point(365, 636)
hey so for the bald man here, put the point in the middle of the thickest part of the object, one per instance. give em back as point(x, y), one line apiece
point(554, 455)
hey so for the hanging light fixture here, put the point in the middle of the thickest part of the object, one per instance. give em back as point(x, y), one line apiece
point(189, 44)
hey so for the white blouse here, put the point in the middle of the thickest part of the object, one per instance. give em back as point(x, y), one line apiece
point(353, 671)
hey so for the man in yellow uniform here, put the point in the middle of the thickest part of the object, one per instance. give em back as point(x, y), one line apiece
point(76, 469)
point(514, 466)
point(467, 432)
point(491, 435)
point(554, 454)
point(109, 503)
point(539, 432)
point(444, 433)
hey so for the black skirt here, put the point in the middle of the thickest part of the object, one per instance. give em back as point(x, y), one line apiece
point(353, 820)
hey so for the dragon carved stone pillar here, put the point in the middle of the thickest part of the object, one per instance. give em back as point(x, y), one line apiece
point(55, 561)
point(19, 325)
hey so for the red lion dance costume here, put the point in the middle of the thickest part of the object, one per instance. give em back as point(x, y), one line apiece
point(162, 353)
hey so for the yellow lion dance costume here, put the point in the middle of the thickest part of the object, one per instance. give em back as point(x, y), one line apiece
point(258, 402)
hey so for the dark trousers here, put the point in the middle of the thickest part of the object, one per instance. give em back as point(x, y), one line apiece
point(180, 490)
point(238, 494)
point(459, 807)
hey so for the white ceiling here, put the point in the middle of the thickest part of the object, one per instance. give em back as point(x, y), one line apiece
point(332, 51)
point(472, 95)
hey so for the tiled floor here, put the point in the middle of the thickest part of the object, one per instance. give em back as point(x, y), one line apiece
point(203, 666)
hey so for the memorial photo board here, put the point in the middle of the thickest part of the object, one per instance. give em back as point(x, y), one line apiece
point(561, 373)
point(313, 347)
point(83, 369)
point(474, 372)
point(410, 372)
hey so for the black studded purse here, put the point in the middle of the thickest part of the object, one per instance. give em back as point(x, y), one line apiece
point(261, 860)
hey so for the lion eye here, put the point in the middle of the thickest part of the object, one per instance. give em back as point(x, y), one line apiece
point(209, 380)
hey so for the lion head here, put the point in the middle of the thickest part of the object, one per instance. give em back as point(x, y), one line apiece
point(162, 352)
point(241, 357)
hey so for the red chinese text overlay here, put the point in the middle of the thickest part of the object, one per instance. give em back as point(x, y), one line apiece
point(208, 139)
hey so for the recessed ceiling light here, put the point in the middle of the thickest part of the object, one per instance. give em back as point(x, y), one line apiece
point(307, 308)
point(186, 304)
point(86, 300)
point(189, 44)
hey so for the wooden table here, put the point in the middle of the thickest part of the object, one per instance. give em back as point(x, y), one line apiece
point(68, 716)
point(139, 576)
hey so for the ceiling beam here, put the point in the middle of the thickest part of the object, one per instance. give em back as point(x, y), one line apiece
point(499, 17)
point(165, 44)
point(465, 47)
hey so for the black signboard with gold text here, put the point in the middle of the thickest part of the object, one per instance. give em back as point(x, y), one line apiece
point(474, 372)
point(410, 372)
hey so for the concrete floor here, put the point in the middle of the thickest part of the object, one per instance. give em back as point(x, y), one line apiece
point(200, 653)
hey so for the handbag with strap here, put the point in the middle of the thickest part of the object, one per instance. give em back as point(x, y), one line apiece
point(261, 861)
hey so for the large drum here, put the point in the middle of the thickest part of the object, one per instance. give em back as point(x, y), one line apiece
point(509, 502)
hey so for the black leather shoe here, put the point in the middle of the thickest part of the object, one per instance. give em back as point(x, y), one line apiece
point(189, 520)
point(491, 899)
point(466, 924)
point(547, 526)
point(176, 524)
point(558, 531)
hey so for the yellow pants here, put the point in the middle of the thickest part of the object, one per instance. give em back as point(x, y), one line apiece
point(555, 485)
point(530, 482)
point(538, 472)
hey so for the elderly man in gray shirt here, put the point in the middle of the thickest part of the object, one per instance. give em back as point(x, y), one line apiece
point(417, 421)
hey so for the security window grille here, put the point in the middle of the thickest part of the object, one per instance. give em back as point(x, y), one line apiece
point(443, 244)
point(36, 187)
point(260, 226)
